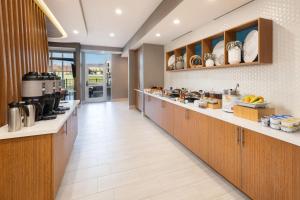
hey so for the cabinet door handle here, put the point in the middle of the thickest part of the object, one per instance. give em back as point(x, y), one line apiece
point(242, 137)
point(238, 135)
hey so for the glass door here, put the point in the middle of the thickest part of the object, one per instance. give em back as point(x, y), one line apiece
point(95, 77)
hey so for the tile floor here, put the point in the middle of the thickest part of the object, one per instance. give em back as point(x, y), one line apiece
point(121, 155)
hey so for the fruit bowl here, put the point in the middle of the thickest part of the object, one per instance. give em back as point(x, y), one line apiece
point(253, 101)
point(252, 105)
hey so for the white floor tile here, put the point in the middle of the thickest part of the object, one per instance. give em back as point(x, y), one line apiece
point(121, 155)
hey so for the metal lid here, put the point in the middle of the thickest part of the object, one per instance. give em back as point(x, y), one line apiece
point(14, 104)
point(31, 76)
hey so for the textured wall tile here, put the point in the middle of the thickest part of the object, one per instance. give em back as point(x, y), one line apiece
point(278, 82)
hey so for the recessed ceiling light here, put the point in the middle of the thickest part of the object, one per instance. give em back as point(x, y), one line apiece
point(118, 11)
point(176, 21)
point(111, 35)
point(75, 32)
point(157, 34)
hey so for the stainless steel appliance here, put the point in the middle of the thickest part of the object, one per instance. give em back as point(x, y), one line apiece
point(33, 85)
point(230, 99)
point(40, 90)
point(29, 110)
point(14, 117)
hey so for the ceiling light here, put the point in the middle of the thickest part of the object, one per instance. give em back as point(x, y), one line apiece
point(75, 32)
point(111, 35)
point(176, 21)
point(157, 34)
point(42, 5)
point(118, 11)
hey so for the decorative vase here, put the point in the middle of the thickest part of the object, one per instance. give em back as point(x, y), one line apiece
point(179, 65)
point(209, 63)
point(234, 55)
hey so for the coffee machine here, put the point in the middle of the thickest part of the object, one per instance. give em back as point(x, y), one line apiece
point(48, 98)
point(58, 96)
point(39, 90)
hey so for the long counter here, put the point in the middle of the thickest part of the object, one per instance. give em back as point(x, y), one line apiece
point(41, 127)
point(292, 138)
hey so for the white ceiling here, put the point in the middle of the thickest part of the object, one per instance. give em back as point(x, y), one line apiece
point(101, 19)
point(192, 14)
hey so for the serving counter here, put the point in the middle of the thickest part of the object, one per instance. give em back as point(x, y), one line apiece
point(33, 160)
point(261, 162)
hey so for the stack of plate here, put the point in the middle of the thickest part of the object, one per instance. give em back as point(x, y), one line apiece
point(171, 62)
point(250, 48)
point(218, 52)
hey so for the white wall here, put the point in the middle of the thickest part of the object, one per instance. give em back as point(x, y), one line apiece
point(278, 82)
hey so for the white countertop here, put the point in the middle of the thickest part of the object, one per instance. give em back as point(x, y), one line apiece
point(138, 90)
point(41, 127)
point(293, 138)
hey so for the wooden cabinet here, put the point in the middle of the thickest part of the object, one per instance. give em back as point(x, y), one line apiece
point(153, 109)
point(59, 159)
point(26, 168)
point(149, 107)
point(262, 167)
point(139, 100)
point(167, 117)
point(198, 136)
point(181, 127)
point(224, 150)
point(269, 167)
point(161, 112)
point(191, 129)
point(296, 173)
point(256, 165)
point(62, 147)
point(33, 167)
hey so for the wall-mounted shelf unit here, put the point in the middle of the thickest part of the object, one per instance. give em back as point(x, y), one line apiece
point(195, 48)
point(206, 45)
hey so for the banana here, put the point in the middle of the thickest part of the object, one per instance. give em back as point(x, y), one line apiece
point(254, 99)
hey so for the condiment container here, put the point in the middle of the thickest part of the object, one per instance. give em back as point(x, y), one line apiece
point(276, 119)
point(265, 121)
point(289, 129)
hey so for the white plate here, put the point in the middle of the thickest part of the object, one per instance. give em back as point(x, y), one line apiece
point(184, 59)
point(171, 60)
point(251, 46)
point(218, 51)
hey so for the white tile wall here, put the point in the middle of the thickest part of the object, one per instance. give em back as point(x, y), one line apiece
point(278, 82)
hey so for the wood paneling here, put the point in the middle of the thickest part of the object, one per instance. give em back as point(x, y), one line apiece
point(26, 168)
point(256, 165)
point(296, 172)
point(199, 134)
point(31, 168)
point(59, 160)
point(224, 150)
point(262, 167)
point(181, 125)
point(270, 168)
point(167, 118)
point(23, 47)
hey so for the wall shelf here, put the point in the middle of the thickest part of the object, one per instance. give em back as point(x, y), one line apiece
point(206, 45)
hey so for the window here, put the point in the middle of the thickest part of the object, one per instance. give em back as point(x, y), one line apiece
point(61, 64)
